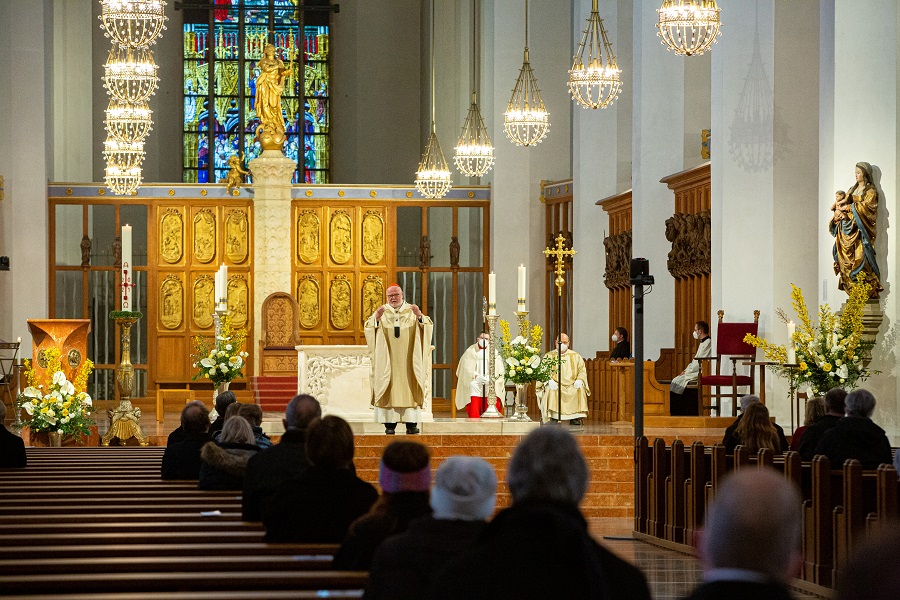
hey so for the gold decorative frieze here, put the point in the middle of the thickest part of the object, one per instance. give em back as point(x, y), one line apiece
point(341, 302)
point(204, 301)
point(373, 237)
point(171, 302)
point(308, 237)
point(171, 236)
point(308, 301)
point(372, 296)
point(238, 299)
point(237, 236)
point(204, 235)
point(341, 237)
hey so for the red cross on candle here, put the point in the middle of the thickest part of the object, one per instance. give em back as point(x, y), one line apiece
point(125, 285)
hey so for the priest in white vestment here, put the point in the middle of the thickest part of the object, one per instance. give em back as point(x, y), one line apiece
point(399, 338)
point(683, 401)
point(472, 375)
point(574, 389)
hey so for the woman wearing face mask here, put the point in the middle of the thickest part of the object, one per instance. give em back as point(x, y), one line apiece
point(683, 401)
point(622, 350)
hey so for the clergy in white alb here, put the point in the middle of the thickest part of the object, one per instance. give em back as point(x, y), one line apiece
point(472, 375)
point(575, 389)
point(399, 339)
point(683, 401)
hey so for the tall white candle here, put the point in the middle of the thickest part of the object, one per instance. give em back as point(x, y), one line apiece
point(127, 274)
point(521, 303)
point(791, 352)
point(492, 294)
point(218, 285)
point(224, 296)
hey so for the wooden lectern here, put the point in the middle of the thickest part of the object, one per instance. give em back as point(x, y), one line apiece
point(69, 335)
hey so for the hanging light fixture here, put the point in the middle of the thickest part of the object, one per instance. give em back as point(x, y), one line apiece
point(688, 27)
point(474, 152)
point(433, 175)
point(526, 121)
point(130, 75)
point(594, 79)
point(123, 165)
point(133, 23)
point(127, 122)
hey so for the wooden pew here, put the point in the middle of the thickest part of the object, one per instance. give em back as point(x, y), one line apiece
point(887, 498)
point(694, 492)
point(675, 494)
point(155, 564)
point(163, 549)
point(817, 523)
point(643, 464)
point(656, 485)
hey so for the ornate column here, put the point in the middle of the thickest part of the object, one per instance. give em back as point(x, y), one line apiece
point(272, 233)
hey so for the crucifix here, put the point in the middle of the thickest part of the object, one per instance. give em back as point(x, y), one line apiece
point(560, 253)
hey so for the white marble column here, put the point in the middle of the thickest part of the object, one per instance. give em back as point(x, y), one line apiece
point(271, 233)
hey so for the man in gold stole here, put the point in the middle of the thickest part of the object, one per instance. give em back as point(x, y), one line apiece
point(574, 388)
point(399, 339)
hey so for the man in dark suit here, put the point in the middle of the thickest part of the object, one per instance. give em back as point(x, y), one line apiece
point(267, 470)
point(750, 544)
point(731, 440)
point(856, 435)
point(834, 412)
point(181, 460)
point(12, 448)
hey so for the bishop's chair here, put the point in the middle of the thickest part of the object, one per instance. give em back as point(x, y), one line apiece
point(730, 346)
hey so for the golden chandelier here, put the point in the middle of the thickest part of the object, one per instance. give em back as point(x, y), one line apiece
point(474, 151)
point(594, 79)
point(526, 121)
point(688, 26)
point(433, 176)
point(133, 23)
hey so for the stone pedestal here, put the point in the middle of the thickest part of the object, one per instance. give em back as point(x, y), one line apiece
point(272, 174)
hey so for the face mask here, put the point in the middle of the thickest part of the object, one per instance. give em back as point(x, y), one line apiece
point(696, 336)
point(482, 343)
point(563, 347)
point(615, 338)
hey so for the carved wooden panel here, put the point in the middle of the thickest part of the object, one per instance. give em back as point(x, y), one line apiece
point(171, 302)
point(618, 260)
point(171, 236)
point(204, 235)
point(372, 296)
point(204, 301)
point(237, 236)
point(308, 236)
point(341, 302)
point(341, 237)
point(308, 294)
point(278, 314)
point(691, 244)
point(238, 299)
point(373, 237)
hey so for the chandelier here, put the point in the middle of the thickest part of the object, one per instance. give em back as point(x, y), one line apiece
point(123, 165)
point(133, 23)
point(688, 26)
point(597, 84)
point(526, 121)
point(474, 152)
point(130, 75)
point(433, 176)
point(127, 122)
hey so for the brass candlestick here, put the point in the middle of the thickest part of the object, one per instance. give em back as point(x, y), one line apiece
point(124, 418)
point(491, 397)
point(521, 413)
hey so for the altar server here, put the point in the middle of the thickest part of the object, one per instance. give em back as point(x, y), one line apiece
point(472, 378)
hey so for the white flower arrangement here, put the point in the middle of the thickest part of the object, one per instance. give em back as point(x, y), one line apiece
point(63, 406)
point(224, 361)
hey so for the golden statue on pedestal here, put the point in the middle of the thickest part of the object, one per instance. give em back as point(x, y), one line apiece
point(235, 175)
point(269, 87)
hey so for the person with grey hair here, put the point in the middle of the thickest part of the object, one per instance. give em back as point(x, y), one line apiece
point(834, 412)
point(224, 461)
point(463, 497)
point(856, 435)
point(12, 448)
point(544, 533)
point(286, 460)
point(750, 544)
point(731, 439)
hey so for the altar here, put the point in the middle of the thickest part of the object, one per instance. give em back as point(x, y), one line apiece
point(338, 376)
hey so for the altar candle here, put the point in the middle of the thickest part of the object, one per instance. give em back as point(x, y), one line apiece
point(791, 353)
point(521, 288)
point(126, 267)
point(492, 294)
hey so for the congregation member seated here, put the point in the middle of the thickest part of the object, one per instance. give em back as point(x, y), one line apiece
point(856, 435)
point(543, 535)
point(12, 448)
point(464, 495)
point(731, 440)
point(181, 460)
point(253, 414)
point(405, 478)
point(225, 460)
point(756, 431)
point(232, 411)
point(286, 460)
point(223, 401)
point(622, 351)
point(750, 544)
point(815, 410)
point(319, 506)
point(834, 412)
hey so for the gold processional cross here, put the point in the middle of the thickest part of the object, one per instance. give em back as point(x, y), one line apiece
point(560, 252)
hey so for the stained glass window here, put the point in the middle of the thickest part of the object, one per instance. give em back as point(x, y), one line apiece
point(221, 49)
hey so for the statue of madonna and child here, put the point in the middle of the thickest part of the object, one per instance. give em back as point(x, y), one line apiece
point(855, 214)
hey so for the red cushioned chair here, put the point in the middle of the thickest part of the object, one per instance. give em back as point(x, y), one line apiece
point(730, 346)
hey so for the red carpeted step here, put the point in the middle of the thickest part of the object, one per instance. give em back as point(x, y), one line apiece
point(273, 393)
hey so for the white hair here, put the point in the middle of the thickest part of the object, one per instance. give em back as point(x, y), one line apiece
point(548, 465)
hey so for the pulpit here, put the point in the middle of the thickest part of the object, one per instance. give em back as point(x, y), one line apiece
point(338, 377)
point(68, 335)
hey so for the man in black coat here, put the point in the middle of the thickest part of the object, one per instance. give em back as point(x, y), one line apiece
point(544, 535)
point(856, 435)
point(223, 401)
point(834, 412)
point(286, 460)
point(731, 440)
point(181, 460)
point(12, 448)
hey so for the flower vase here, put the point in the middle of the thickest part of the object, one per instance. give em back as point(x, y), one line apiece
point(521, 403)
point(223, 387)
point(55, 438)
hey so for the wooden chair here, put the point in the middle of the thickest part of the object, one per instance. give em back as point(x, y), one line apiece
point(280, 335)
point(730, 345)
